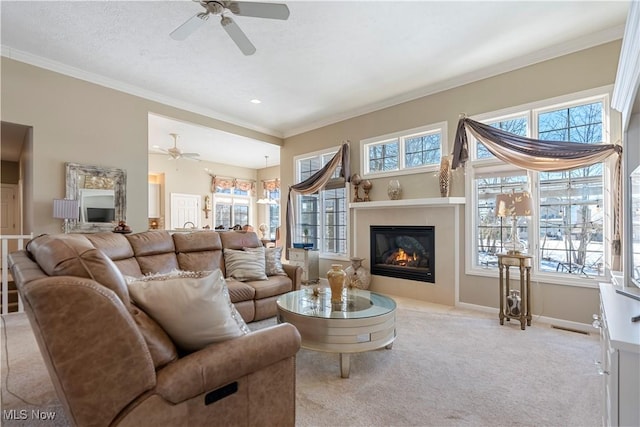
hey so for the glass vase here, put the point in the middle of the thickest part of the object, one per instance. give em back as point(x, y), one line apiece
point(394, 190)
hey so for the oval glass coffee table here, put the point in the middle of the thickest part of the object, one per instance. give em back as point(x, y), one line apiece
point(362, 321)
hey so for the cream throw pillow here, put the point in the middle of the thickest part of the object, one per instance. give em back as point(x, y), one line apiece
point(245, 265)
point(273, 262)
point(194, 308)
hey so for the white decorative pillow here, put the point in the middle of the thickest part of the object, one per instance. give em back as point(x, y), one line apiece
point(245, 265)
point(273, 262)
point(194, 308)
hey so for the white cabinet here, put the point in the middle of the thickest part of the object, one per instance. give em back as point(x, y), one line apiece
point(620, 364)
point(154, 200)
point(308, 260)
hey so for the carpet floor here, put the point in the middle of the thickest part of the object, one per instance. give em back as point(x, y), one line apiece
point(447, 367)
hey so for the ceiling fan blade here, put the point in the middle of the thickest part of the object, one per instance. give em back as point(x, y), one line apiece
point(190, 155)
point(258, 10)
point(190, 25)
point(238, 36)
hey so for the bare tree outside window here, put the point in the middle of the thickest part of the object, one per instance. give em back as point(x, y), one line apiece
point(569, 204)
point(571, 215)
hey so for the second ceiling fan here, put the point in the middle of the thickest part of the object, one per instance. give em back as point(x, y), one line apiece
point(224, 8)
point(175, 153)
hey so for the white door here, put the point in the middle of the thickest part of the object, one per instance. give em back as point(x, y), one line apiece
point(185, 211)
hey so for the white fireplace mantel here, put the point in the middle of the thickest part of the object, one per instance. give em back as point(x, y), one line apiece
point(424, 211)
point(409, 203)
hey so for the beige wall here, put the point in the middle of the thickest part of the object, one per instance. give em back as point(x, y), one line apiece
point(77, 121)
point(189, 177)
point(592, 68)
point(269, 173)
point(81, 122)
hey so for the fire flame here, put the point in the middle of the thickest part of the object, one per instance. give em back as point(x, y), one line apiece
point(403, 258)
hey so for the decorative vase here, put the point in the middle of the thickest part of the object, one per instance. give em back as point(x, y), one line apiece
point(394, 190)
point(513, 303)
point(336, 277)
point(366, 186)
point(444, 177)
point(356, 180)
point(356, 275)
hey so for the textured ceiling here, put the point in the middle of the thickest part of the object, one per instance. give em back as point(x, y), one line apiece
point(327, 62)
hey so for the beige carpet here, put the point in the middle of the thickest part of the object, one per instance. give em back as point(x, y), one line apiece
point(448, 367)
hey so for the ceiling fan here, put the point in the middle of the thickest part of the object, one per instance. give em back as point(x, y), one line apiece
point(224, 9)
point(175, 153)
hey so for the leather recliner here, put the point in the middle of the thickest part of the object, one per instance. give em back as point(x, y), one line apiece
point(112, 364)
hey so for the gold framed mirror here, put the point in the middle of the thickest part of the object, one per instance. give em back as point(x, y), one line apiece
point(101, 193)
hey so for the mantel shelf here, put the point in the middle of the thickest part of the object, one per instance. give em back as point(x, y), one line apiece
point(409, 203)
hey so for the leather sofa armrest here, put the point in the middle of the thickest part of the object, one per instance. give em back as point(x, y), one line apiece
point(96, 356)
point(295, 274)
point(221, 363)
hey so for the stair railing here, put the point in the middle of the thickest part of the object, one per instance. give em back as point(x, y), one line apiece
point(20, 239)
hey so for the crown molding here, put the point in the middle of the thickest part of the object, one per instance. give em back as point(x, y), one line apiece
point(628, 76)
point(571, 46)
point(100, 80)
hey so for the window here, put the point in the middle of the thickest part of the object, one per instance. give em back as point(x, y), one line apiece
point(567, 231)
point(404, 152)
point(231, 202)
point(321, 217)
point(273, 212)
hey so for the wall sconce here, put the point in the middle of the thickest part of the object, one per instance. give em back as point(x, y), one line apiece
point(207, 206)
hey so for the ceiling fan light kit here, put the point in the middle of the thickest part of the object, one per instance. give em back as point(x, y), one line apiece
point(239, 8)
point(175, 153)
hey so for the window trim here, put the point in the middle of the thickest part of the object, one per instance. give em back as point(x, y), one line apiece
point(296, 205)
point(401, 136)
point(532, 111)
point(223, 197)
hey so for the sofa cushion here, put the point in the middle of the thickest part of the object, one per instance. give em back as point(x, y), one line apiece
point(199, 251)
point(75, 255)
point(154, 251)
point(245, 265)
point(117, 248)
point(193, 307)
point(273, 262)
point(160, 346)
point(240, 239)
point(274, 285)
point(240, 291)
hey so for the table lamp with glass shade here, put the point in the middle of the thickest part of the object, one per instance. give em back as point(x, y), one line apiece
point(514, 205)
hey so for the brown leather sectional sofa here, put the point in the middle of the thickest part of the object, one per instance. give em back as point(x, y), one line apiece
point(112, 364)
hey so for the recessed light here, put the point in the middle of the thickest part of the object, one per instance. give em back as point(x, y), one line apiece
point(256, 101)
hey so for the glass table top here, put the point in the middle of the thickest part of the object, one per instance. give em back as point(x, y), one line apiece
point(355, 304)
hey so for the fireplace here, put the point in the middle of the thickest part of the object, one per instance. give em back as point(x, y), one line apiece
point(403, 251)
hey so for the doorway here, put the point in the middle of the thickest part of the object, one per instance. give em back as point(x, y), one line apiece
point(185, 211)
